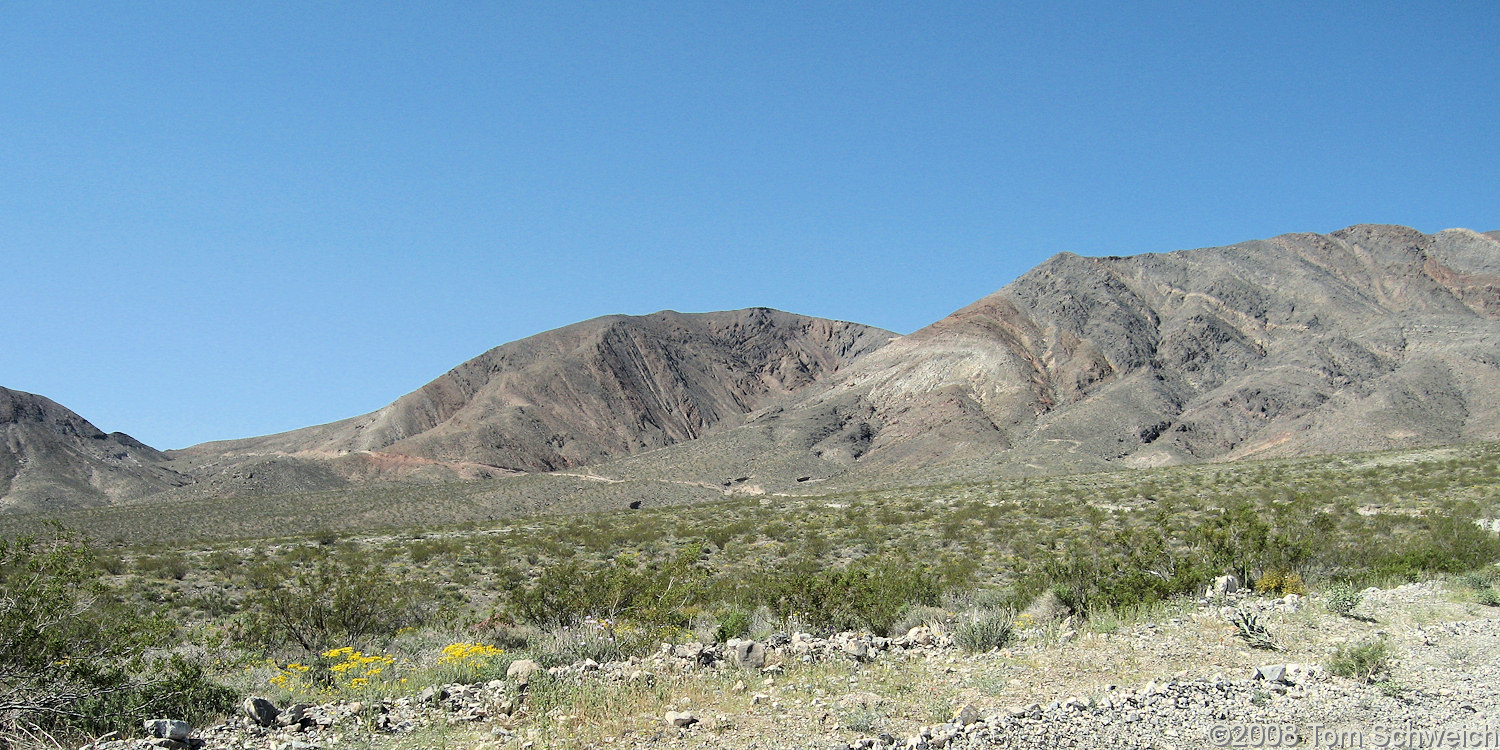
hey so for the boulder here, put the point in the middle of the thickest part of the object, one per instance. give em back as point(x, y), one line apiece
point(1271, 672)
point(170, 729)
point(965, 715)
point(261, 710)
point(858, 649)
point(746, 654)
point(521, 671)
point(919, 636)
point(294, 714)
point(681, 719)
point(1224, 586)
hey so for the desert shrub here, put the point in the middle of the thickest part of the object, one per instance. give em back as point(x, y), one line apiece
point(1487, 597)
point(1363, 661)
point(336, 600)
point(731, 624)
point(1277, 582)
point(1446, 541)
point(503, 633)
point(918, 615)
point(71, 660)
point(1341, 599)
point(863, 718)
point(624, 589)
point(166, 565)
point(574, 643)
point(983, 630)
point(1475, 581)
point(110, 562)
point(863, 596)
point(1120, 569)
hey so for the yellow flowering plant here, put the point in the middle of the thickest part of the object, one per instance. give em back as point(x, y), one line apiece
point(337, 670)
point(469, 660)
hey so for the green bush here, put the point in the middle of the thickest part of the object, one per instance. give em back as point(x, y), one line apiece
point(73, 661)
point(1362, 661)
point(1473, 581)
point(624, 589)
point(1341, 599)
point(984, 630)
point(336, 600)
point(863, 596)
point(732, 624)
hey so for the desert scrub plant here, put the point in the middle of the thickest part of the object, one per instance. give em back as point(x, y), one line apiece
point(340, 671)
point(1280, 583)
point(1249, 628)
point(72, 660)
point(1487, 597)
point(1341, 599)
point(863, 718)
point(984, 630)
point(1472, 580)
point(338, 600)
point(472, 662)
point(1362, 661)
point(731, 624)
point(862, 596)
point(625, 588)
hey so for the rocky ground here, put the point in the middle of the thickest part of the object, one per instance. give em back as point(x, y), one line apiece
point(1177, 678)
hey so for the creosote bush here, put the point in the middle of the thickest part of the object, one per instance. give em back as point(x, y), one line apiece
point(1362, 661)
point(72, 660)
point(328, 603)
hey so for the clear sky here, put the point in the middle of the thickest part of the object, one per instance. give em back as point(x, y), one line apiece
point(224, 219)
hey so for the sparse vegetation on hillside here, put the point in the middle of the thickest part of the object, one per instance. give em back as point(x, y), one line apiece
point(965, 557)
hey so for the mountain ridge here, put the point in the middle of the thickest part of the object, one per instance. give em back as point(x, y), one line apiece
point(52, 458)
point(1374, 336)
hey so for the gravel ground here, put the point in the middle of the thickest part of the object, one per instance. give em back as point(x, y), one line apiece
point(1180, 681)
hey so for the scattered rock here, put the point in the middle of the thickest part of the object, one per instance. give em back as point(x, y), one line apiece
point(681, 719)
point(521, 671)
point(746, 654)
point(261, 710)
point(965, 715)
point(170, 729)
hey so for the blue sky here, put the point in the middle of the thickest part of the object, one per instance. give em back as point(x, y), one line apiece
point(227, 219)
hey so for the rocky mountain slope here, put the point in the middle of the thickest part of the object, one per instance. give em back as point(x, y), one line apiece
point(51, 458)
point(603, 388)
point(1371, 337)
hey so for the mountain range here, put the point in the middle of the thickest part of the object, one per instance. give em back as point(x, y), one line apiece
point(1371, 337)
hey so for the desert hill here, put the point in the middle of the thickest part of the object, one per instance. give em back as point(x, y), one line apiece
point(53, 459)
point(603, 388)
point(1372, 337)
